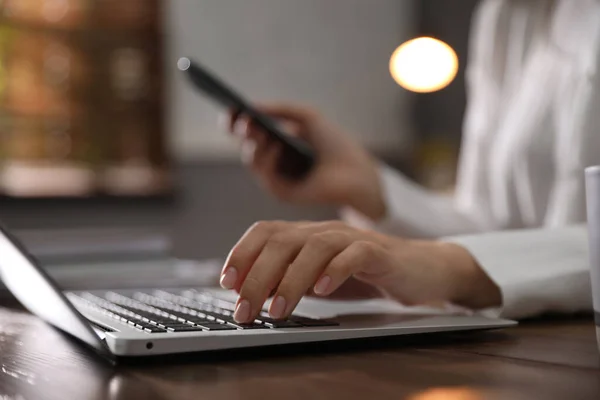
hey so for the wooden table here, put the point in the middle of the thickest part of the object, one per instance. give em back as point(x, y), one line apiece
point(546, 359)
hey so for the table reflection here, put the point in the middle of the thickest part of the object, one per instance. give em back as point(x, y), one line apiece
point(463, 393)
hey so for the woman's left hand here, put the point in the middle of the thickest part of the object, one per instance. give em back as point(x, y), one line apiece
point(295, 258)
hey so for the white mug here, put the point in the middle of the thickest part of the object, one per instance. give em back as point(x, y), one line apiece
point(592, 188)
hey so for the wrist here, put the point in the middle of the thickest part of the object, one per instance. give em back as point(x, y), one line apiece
point(373, 207)
point(473, 288)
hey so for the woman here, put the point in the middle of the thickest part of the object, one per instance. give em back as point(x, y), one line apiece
point(532, 125)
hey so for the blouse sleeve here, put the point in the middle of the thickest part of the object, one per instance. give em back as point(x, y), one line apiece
point(415, 211)
point(538, 271)
point(578, 131)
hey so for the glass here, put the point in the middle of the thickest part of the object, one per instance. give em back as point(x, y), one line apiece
point(592, 186)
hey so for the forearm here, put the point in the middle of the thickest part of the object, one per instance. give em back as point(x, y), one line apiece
point(412, 211)
point(473, 288)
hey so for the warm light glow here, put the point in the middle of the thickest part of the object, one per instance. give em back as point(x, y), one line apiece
point(424, 65)
point(458, 393)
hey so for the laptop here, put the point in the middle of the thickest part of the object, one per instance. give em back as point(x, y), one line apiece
point(149, 322)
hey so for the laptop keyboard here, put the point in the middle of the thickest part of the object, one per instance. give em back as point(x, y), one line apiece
point(189, 311)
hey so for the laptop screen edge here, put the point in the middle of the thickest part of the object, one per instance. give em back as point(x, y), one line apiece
point(35, 289)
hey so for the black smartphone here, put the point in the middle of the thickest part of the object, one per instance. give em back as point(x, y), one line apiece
point(297, 158)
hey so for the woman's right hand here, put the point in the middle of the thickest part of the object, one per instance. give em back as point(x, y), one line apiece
point(288, 259)
point(345, 173)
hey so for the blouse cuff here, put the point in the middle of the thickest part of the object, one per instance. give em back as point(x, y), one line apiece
point(537, 271)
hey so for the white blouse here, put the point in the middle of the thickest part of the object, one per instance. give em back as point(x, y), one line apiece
point(532, 125)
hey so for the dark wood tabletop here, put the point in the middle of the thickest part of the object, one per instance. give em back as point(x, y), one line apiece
point(543, 359)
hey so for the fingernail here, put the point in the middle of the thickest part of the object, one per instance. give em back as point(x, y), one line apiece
point(229, 278)
point(278, 307)
point(242, 312)
point(322, 285)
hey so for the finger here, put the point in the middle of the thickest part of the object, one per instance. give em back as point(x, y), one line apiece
point(246, 127)
point(242, 126)
point(324, 226)
point(266, 272)
point(229, 119)
point(304, 271)
point(263, 154)
point(253, 149)
point(267, 166)
point(294, 129)
point(287, 111)
point(245, 252)
point(359, 257)
point(247, 151)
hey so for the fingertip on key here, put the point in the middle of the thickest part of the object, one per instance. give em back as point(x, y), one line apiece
point(277, 310)
point(242, 312)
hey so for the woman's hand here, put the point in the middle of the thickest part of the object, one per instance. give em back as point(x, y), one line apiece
point(345, 174)
point(294, 258)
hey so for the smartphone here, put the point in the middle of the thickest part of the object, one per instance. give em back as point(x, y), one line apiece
point(297, 158)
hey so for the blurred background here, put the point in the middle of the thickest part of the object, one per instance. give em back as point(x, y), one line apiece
point(103, 142)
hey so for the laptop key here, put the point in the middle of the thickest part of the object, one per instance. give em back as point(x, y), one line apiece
point(180, 316)
point(177, 325)
point(216, 327)
point(247, 326)
point(273, 323)
point(151, 328)
point(309, 322)
point(230, 321)
point(150, 316)
point(225, 319)
point(201, 321)
point(154, 329)
point(187, 328)
point(304, 321)
point(209, 314)
point(206, 310)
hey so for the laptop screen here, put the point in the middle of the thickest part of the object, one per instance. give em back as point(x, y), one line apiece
point(36, 290)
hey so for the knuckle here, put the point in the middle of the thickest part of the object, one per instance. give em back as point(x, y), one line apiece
point(326, 240)
point(330, 225)
point(337, 225)
point(266, 226)
point(260, 225)
point(281, 239)
point(365, 248)
point(358, 255)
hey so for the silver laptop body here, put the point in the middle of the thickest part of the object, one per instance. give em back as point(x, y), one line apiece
point(134, 323)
